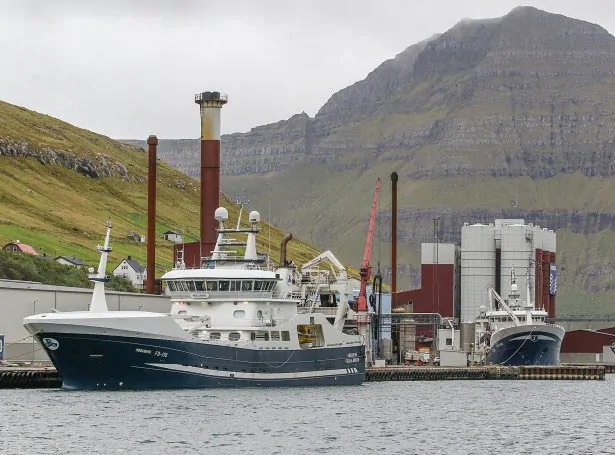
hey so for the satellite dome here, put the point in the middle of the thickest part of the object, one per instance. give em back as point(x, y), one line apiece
point(255, 217)
point(221, 214)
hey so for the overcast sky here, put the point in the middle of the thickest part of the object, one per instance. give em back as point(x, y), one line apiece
point(128, 68)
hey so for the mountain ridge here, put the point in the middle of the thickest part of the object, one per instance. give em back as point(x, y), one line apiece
point(494, 116)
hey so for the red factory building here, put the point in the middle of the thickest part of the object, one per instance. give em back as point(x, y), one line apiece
point(440, 287)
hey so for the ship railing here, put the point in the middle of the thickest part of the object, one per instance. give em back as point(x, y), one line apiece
point(327, 311)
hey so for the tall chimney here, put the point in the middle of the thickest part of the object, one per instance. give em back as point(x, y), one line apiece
point(210, 104)
point(152, 142)
point(394, 179)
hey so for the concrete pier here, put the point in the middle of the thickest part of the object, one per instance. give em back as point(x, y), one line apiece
point(28, 377)
point(560, 372)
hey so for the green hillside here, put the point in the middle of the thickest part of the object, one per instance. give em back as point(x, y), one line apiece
point(50, 200)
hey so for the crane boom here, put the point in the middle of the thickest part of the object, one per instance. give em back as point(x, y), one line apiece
point(366, 268)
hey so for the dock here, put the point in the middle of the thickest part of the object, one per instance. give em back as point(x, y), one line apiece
point(424, 373)
point(29, 377)
point(33, 377)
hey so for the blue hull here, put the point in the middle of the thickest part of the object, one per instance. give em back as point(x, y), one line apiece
point(110, 362)
point(519, 349)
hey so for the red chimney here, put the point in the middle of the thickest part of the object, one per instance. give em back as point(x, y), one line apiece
point(210, 104)
point(152, 142)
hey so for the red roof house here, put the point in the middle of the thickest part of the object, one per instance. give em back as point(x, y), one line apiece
point(18, 247)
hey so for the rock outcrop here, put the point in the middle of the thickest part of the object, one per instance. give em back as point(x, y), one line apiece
point(95, 166)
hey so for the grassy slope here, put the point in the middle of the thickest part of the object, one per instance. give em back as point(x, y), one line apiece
point(60, 212)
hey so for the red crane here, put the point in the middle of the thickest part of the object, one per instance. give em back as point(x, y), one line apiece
point(366, 267)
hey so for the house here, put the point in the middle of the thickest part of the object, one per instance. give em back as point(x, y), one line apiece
point(18, 247)
point(70, 260)
point(172, 236)
point(136, 237)
point(132, 270)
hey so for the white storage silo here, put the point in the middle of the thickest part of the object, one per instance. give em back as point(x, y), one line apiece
point(517, 251)
point(477, 268)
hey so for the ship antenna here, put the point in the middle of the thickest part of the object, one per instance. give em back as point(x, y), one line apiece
point(241, 201)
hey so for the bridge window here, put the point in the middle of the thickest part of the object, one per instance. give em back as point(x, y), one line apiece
point(224, 285)
point(191, 286)
point(258, 285)
point(200, 285)
point(246, 285)
point(260, 336)
point(235, 285)
point(212, 285)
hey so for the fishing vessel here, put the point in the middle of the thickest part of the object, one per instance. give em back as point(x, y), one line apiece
point(514, 332)
point(236, 321)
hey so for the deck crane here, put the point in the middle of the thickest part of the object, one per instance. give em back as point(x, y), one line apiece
point(366, 268)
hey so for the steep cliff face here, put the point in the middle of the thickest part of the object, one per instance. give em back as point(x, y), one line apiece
point(508, 116)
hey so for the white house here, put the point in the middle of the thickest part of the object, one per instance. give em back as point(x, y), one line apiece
point(70, 260)
point(173, 236)
point(131, 269)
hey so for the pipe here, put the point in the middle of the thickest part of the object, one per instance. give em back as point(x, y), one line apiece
point(394, 179)
point(285, 240)
point(150, 281)
point(210, 104)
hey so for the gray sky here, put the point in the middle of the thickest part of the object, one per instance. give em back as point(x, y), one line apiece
point(129, 68)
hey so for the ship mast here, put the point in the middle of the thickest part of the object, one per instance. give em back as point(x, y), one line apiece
point(99, 302)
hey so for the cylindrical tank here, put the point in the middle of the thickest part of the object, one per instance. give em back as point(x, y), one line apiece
point(467, 333)
point(518, 253)
point(477, 268)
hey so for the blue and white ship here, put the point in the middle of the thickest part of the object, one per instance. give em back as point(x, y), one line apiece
point(517, 332)
point(234, 322)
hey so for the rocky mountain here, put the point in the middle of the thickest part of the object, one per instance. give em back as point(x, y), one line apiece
point(513, 116)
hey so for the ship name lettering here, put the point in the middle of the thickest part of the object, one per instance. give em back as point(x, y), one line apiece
point(352, 354)
point(143, 351)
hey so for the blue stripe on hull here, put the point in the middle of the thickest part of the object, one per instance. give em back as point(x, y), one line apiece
point(105, 362)
point(517, 350)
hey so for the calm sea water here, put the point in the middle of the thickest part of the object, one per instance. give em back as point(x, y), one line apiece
point(464, 417)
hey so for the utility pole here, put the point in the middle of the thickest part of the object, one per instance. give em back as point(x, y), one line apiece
point(436, 288)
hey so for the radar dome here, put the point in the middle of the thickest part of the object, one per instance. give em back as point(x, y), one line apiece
point(255, 217)
point(221, 214)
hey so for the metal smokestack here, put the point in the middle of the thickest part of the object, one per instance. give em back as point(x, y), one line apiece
point(394, 179)
point(288, 237)
point(210, 104)
point(152, 142)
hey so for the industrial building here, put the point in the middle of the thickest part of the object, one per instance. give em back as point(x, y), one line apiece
point(455, 278)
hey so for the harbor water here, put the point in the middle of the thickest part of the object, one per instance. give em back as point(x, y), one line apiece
point(452, 417)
